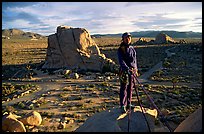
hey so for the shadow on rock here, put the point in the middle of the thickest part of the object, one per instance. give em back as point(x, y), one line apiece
point(114, 121)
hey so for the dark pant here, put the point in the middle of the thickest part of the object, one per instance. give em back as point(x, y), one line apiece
point(126, 91)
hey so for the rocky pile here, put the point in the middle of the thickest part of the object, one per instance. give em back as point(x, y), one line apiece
point(141, 41)
point(14, 123)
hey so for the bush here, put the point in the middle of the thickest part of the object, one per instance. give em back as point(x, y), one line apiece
point(21, 105)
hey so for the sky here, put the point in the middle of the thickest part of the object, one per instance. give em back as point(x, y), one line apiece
point(102, 17)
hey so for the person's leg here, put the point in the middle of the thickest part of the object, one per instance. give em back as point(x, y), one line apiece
point(123, 94)
point(129, 90)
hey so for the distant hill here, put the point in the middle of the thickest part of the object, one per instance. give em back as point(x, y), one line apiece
point(16, 33)
point(153, 34)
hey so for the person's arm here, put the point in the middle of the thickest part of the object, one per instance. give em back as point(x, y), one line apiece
point(134, 56)
point(137, 73)
point(122, 62)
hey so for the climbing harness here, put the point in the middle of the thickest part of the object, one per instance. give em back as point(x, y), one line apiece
point(123, 76)
point(152, 102)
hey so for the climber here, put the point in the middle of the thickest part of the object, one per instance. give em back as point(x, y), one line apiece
point(128, 64)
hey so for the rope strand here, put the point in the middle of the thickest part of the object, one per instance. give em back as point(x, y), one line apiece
point(141, 106)
point(150, 99)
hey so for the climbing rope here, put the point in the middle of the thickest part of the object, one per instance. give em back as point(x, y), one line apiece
point(150, 99)
point(129, 112)
point(141, 107)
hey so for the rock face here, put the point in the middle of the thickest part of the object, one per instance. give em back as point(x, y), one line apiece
point(73, 48)
point(162, 38)
point(193, 123)
point(114, 121)
point(11, 124)
point(33, 119)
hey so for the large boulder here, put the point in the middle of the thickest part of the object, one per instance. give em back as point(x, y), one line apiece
point(73, 48)
point(11, 124)
point(193, 123)
point(113, 121)
point(163, 38)
point(33, 118)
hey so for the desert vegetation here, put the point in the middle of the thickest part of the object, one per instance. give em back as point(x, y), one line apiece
point(182, 66)
point(176, 88)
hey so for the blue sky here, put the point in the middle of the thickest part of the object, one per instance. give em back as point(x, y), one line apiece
point(102, 17)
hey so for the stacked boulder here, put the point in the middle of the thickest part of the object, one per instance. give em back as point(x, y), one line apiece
point(14, 123)
point(73, 48)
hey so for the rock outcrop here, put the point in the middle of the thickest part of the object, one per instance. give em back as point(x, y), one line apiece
point(73, 48)
point(141, 41)
point(182, 41)
point(114, 121)
point(163, 38)
point(193, 123)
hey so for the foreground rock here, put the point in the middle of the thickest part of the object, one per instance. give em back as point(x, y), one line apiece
point(193, 123)
point(33, 119)
point(11, 124)
point(14, 123)
point(114, 121)
point(73, 48)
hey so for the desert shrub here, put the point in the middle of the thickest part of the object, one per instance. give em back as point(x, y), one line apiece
point(159, 73)
point(91, 85)
point(106, 68)
point(166, 64)
point(21, 105)
point(7, 89)
point(8, 109)
point(79, 98)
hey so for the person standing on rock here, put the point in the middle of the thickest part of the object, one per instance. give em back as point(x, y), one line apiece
point(128, 65)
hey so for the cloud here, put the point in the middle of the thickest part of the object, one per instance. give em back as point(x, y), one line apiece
point(157, 20)
point(102, 17)
point(138, 4)
point(6, 5)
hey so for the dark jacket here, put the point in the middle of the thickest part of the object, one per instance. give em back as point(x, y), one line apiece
point(127, 57)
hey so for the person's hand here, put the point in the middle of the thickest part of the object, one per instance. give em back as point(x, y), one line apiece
point(129, 72)
point(137, 74)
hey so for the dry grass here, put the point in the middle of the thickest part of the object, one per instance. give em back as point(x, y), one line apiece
point(22, 51)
